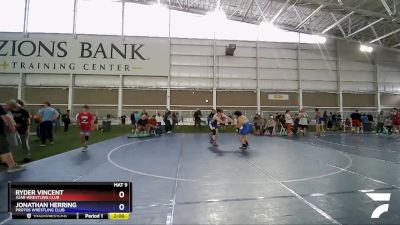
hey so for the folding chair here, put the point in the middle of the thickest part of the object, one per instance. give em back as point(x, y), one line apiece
point(282, 131)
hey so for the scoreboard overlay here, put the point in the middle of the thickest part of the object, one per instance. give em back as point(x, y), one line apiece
point(70, 200)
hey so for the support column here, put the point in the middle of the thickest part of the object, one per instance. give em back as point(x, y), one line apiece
point(170, 61)
point(339, 81)
point(120, 95)
point(71, 91)
point(378, 94)
point(21, 84)
point(214, 72)
point(74, 19)
point(214, 98)
point(258, 101)
point(299, 74)
point(26, 18)
point(123, 21)
point(258, 80)
point(168, 98)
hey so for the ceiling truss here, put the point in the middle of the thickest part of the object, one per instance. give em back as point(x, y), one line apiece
point(366, 21)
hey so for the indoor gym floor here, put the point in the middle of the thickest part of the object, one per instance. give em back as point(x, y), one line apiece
point(181, 179)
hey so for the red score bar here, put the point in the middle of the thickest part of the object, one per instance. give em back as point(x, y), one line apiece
point(80, 195)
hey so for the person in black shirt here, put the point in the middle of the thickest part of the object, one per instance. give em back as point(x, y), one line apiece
point(7, 124)
point(197, 118)
point(66, 119)
point(22, 119)
point(356, 121)
point(168, 121)
point(142, 124)
point(123, 119)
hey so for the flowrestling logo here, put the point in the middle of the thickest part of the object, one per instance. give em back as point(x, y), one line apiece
point(379, 197)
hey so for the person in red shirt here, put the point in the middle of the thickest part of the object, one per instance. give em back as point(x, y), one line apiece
point(152, 123)
point(395, 121)
point(85, 121)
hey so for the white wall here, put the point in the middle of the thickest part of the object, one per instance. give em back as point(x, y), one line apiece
point(266, 65)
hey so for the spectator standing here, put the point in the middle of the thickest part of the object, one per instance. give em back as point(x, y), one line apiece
point(388, 124)
point(159, 120)
point(256, 124)
point(330, 120)
point(12, 137)
point(47, 116)
point(57, 123)
point(356, 121)
point(133, 118)
point(137, 117)
point(296, 123)
point(318, 120)
point(370, 118)
point(365, 122)
point(395, 121)
point(174, 118)
point(66, 119)
point(380, 119)
point(167, 121)
point(22, 120)
point(289, 123)
point(303, 121)
point(6, 125)
point(325, 118)
point(123, 119)
point(197, 118)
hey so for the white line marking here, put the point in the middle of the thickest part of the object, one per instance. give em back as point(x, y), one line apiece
point(6, 220)
point(76, 179)
point(325, 175)
point(138, 172)
point(355, 146)
point(350, 171)
point(366, 177)
point(170, 216)
point(206, 183)
point(318, 210)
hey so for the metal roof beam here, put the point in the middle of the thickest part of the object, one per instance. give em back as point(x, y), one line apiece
point(262, 13)
point(386, 6)
point(279, 12)
point(364, 28)
point(298, 15)
point(349, 28)
point(376, 35)
point(396, 45)
point(337, 21)
point(248, 10)
point(309, 16)
point(179, 3)
point(237, 8)
point(329, 4)
point(340, 27)
point(384, 36)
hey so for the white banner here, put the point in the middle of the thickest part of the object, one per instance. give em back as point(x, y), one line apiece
point(96, 55)
point(283, 97)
